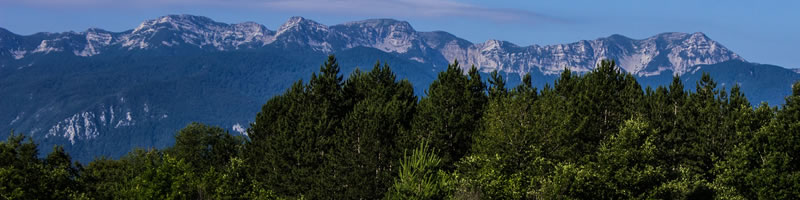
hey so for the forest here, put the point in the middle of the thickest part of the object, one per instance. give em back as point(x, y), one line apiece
point(595, 135)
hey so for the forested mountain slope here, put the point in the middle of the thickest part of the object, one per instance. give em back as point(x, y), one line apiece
point(102, 93)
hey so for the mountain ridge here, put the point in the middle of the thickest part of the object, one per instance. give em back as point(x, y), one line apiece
point(665, 52)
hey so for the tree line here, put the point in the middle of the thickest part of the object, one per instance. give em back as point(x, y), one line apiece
point(598, 135)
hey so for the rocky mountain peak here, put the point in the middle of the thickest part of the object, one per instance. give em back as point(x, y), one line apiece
point(699, 34)
point(386, 24)
point(300, 24)
point(670, 36)
point(492, 45)
point(387, 35)
point(176, 22)
point(251, 26)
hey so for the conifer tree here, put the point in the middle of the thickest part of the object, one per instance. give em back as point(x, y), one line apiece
point(497, 85)
point(448, 116)
point(203, 147)
point(21, 174)
point(526, 88)
point(709, 138)
point(764, 166)
point(366, 150)
point(292, 136)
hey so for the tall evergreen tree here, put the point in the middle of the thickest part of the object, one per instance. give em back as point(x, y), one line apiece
point(203, 147)
point(448, 116)
point(497, 85)
point(526, 88)
point(21, 174)
point(501, 152)
point(291, 137)
point(366, 150)
point(705, 122)
point(602, 101)
point(764, 166)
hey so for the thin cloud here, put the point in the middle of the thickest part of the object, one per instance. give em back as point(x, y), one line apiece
point(409, 8)
point(388, 8)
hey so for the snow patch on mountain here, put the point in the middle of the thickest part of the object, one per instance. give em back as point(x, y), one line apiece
point(15, 119)
point(89, 124)
point(95, 40)
point(127, 121)
point(78, 126)
point(18, 54)
point(238, 128)
point(46, 46)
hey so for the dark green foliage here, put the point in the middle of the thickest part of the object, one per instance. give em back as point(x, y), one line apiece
point(419, 176)
point(604, 99)
point(498, 85)
point(294, 134)
point(367, 152)
point(449, 115)
point(596, 135)
point(315, 137)
point(204, 147)
point(105, 178)
point(765, 164)
point(24, 176)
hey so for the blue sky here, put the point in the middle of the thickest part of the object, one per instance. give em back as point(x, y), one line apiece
point(760, 31)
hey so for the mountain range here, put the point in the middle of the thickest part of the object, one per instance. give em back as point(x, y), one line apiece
point(102, 93)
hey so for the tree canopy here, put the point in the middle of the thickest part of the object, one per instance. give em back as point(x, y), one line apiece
point(595, 135)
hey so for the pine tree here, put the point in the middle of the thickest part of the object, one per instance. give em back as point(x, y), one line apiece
point(502, 149)
point(602, 99)
point(628, 162)
point(705, 114)
point(204, 147)
point(764, 166)
point(21, 174)
point(366, 152)
point(419, 176)
point(497, 86)
point(293, 134)
point(526, 88)
point(106, 179)
point(62, 175)
point(448, 116)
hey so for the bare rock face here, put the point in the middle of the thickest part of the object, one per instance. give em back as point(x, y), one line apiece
point(675, 53)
